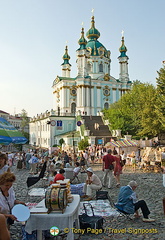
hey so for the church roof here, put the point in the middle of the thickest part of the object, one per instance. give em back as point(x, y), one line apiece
point(95, 46)
point(58, 79)
point(82, 41)
point(93, 33)
point(66, 57)
point(122, 49)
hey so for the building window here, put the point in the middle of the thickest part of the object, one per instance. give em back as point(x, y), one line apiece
point(100, 67)
point(89, 67)
point(73, 107)
point(106, 105)
point(58, 111)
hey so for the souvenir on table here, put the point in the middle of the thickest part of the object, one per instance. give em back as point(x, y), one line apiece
point(56, 199)
point(66, 184)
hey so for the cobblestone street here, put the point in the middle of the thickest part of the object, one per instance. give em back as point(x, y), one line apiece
point(150, 189)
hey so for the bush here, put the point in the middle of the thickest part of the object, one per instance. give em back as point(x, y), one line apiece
point(83, 144)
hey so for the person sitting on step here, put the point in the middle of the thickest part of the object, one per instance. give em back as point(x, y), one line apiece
point(92, 183)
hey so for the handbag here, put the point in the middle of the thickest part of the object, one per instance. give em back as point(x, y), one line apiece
point(92, 222)
point(10, 221)
point(102, 195)
point(111, 167)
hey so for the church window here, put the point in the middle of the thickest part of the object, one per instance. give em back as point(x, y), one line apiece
point(106, 105)
point(58, 111)
point(89, 67)
point(73, 92)
point(106, 92)
point(73, 107)
point(100, 67)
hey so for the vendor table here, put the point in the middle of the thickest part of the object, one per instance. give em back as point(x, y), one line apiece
point(39, 219)
point(37, 192)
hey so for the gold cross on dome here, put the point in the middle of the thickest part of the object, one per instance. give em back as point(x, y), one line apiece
point(92, 11)
point(122, 33)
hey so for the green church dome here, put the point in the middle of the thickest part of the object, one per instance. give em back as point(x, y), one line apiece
point(123, 49)
point(66, 57)
point(96, 48)
point(82, 41)
point(93, 33)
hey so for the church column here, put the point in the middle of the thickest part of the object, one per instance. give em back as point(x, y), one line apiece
point(114, 99)
point(78, 97)
point(98, 97)
point(88, 96)
point(83, 96)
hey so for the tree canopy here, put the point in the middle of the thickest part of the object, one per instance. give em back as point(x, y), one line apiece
point(161, 96)
point(25, 119)
point(136, 112)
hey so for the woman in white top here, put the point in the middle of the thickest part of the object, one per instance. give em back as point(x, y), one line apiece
point(7, 195)
point(3, 163)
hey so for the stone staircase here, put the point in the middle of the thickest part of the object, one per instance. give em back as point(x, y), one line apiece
point(97, 128)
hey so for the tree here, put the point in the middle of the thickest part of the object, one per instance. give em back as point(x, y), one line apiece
point(83, 144)
point(161, 97)
point(135, 112)
point(61, 141)
point(25, 119)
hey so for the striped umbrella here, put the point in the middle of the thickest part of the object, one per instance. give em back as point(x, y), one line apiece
point(9, 134)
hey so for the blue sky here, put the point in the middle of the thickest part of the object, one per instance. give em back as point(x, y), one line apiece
point(33, 35)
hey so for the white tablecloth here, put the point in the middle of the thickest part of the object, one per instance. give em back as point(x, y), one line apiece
point(44, 221)
point(37, 192)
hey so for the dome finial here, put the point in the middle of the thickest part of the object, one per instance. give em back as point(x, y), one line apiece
point(66, 56)
point(122, 33)
point(123, 48)
point(92, 12)
point(93, 33)
point(82, 41)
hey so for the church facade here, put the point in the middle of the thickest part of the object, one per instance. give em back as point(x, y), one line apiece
point(93, 89)
point(85, 95)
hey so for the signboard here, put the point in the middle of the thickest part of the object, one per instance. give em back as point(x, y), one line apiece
point(100, 141)
point(59, 125)
point(79, 123)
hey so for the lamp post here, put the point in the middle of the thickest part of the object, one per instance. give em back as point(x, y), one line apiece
point(73, 143)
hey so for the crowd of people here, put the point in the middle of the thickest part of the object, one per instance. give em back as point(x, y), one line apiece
point(56, 163)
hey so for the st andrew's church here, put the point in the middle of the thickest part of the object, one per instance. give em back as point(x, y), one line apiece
point(81, 99)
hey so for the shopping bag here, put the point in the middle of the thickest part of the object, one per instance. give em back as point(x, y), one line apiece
point(93, 222)
point(102, 195)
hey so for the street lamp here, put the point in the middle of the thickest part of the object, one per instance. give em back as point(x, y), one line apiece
point(73, 143)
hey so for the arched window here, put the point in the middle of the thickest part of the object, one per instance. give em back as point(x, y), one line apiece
point(106, 105)
point(89, 67)
point(58, 111)
point(73, 107)
point(100, 67)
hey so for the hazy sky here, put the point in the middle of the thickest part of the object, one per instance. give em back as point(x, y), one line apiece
point(33, 35)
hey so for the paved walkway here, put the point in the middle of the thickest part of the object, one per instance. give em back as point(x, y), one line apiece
point(150, 189)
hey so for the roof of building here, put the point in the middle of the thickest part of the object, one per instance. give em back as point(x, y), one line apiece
point(3, 112)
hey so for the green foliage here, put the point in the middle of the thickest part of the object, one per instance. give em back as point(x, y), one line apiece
point(160, 107)
point(25, 119)
point(136, 112)
point(61, 141)
point(55, 145)
point(83, 144)
point(26, 135)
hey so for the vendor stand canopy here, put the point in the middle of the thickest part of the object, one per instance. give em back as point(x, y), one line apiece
point(9, 134)
point(126, 144)
point(122, 143)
